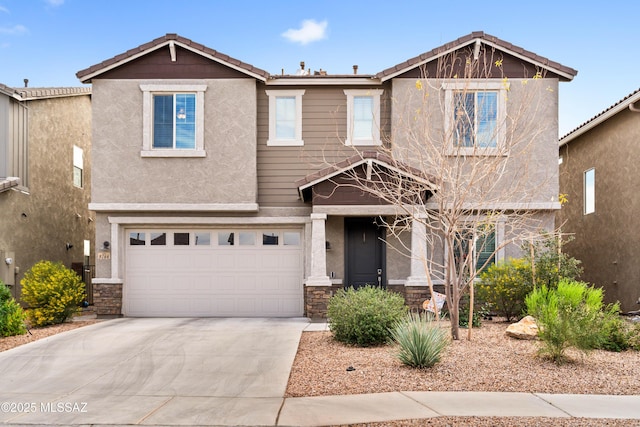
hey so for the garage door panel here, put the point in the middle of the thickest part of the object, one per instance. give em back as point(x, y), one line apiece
point(214, 280)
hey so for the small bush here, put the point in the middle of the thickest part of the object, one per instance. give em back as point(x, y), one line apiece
point(364, 316)
point(615, 333)
point(420, 341)
point(551, 263)
point(53, 293)
point(11, 314)
point(504, 287)
point(634, 337)
point(570, 315)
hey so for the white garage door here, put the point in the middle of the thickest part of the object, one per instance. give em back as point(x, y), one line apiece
point(200, 273)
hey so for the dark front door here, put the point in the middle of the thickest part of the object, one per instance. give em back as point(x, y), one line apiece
point(365, 258)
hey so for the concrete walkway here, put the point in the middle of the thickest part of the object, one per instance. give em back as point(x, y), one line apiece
point(224, 372)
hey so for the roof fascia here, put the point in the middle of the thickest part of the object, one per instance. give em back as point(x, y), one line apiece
point(527, 59)
point(431, 58)
point(88, 77)
point(598, 120)
point(487, 42)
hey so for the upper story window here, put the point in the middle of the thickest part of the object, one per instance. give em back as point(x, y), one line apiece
point(173, 120)
point(78, 167)
point(363, 116)
point(285, 117)
point(475, 117)
point(589, 191)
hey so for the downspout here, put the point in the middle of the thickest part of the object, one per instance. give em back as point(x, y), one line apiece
point(634, 108)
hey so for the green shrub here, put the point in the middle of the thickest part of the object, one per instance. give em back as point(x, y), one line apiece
point(615, 332)
point(634, 337)
point(480, 311)
point(11, 314)
point(552, 264)
point(364, 316)
point(570, 315)
point(504, 287)
point(53, 293)
point(419, 340)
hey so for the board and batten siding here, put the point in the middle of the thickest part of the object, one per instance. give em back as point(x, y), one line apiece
point(324, 130)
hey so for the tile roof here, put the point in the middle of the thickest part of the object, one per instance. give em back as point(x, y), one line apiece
point(8, 183)
point(602, 116)
point(433, 54)
point(30, 93)
point(86, 74)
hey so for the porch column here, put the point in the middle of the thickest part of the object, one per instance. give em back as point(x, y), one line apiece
point(418, 251)
point(318, 276)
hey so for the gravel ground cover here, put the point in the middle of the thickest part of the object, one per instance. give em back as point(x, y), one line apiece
point(491, 361)
point(7, 343)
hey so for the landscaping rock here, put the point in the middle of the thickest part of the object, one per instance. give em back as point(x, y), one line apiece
point(525, 329)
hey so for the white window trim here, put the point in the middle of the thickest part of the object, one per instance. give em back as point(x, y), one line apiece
point(147, 120)
point(584, 191)
point(273, 96)
point(78, 162)
point(501, 125)
point(375, 94)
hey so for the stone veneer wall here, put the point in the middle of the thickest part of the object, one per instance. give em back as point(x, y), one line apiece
point(107, 299)
point(316, 298)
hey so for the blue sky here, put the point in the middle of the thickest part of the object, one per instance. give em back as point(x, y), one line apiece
point(48, 41)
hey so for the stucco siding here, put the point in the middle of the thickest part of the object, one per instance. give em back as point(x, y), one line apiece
point(528, 172)
point(606, 241)
point(226, 175)
point(38, 225)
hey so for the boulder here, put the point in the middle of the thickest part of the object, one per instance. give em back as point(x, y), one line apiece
point(525, 329)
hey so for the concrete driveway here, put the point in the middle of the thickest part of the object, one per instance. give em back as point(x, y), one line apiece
point(152, 372)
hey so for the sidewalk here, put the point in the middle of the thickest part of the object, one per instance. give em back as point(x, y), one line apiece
point(380, 407)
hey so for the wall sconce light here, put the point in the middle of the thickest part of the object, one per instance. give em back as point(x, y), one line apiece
point(68, 246)
point(8, 261)
point(105, 246)
point(327, 245)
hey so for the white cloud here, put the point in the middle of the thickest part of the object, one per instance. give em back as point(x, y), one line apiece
point(16, 30)
point(4, 9)
point(310, 31)
point(55, 3)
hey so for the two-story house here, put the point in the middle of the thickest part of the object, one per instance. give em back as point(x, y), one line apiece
point(45, 176)
point(598, 173)
point(216, 185)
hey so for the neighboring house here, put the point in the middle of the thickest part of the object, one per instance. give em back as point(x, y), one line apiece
point(214, 181)
point(45, 176)
point(599, 175)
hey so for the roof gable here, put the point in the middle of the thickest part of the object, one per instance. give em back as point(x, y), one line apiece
point(366, 160)
point(175, 54)
point(516, 61)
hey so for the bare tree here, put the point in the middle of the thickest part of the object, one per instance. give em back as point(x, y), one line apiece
point(471, 159)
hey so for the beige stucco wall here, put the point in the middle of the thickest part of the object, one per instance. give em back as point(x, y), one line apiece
point(528, 173)
point(226, 175)
point(38, 225)
point(606, 241)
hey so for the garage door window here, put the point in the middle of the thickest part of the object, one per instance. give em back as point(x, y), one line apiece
point(291, 238)
point(269, 239)
point(202, 239)
point(181, 239)
point(158, 239)
point(225, 238)
point(136, 239)
point(247, 238)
